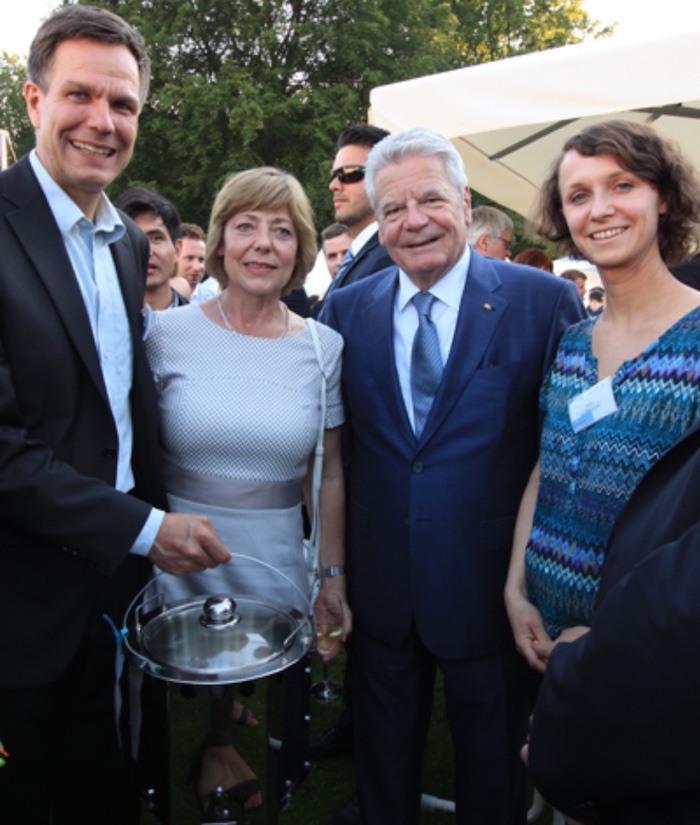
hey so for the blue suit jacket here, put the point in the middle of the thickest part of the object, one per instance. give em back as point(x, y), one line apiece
point(430, 520)
point(371, 259)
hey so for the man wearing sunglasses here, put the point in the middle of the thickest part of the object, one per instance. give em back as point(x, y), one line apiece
point(366, 255)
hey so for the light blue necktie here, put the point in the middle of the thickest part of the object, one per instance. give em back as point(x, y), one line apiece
point(426, 361)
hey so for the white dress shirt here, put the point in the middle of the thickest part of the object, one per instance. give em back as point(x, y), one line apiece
point(448, 292)
point(88, 247)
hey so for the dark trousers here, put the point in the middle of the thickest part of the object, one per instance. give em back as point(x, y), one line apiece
point(486, 710)
point(65, 765)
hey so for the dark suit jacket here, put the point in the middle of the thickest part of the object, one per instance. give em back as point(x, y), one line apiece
point(616, 728)
point(63, 526)
point(688, 272)
point(370, 260)
point(431, 520)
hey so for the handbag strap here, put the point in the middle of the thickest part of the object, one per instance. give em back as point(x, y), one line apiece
point(318, 454)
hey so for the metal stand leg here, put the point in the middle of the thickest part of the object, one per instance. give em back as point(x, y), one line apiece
point(537, 806)
point(289, 720)
point(434, 803)
point(275, 724)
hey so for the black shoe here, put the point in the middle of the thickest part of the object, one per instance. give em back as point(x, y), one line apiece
point(349, 814)
point(334, 742)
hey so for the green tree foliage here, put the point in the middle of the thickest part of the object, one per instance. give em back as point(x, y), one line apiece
point(240, 83)
point(494, 29)
point(13, 110)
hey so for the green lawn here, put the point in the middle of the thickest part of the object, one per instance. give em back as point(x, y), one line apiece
point(329, 782)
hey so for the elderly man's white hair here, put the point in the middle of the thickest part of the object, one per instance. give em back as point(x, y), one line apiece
point(487, 220)
point(412, 143)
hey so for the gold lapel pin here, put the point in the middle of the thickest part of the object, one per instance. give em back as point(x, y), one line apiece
point(489, 307)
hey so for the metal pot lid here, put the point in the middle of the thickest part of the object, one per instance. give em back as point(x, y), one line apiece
point(215, 639)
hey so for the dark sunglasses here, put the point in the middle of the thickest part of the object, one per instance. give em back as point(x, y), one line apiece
point(348, 174)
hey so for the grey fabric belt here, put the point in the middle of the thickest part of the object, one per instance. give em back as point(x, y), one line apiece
point(234, 493)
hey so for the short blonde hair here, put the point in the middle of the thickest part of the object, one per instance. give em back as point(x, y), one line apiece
point(260, 189)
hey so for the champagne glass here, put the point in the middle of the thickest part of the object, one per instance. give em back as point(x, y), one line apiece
point(329, 626)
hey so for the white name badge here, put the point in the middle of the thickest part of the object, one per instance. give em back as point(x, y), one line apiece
point(592, 405)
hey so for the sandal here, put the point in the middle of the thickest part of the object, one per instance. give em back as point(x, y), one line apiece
point(244, 716)
point(217, 809)
point(224, 762)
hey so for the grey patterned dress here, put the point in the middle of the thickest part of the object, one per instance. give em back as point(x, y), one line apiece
point(239, 419)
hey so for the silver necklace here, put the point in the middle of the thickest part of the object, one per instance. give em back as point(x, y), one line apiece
point(228, 326)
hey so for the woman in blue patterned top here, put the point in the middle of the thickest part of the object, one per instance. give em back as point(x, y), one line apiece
point(623, 387)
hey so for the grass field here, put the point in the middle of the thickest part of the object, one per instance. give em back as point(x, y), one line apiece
point(329, 783)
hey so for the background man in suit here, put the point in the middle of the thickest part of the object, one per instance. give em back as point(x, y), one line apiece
point(490, 232)
point(335, 242)
point(190, 261)
point(366, 254)
point(443, 432)
point(617, 722)
point(78, 428)
point(159, 221)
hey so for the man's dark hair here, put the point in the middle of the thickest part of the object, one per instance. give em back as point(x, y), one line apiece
point(596, 293)
point(90, 23)
point(361, 134)
point(333, 231)
point(138, 200)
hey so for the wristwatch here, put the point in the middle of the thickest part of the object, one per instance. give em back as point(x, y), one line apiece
point(329, 572)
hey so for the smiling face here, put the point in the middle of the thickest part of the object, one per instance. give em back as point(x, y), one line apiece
point(612, 214)
point(259, 249)
point(422, 219)
point(86, 119)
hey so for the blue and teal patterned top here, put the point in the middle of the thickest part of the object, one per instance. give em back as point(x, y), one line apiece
point(587, 477)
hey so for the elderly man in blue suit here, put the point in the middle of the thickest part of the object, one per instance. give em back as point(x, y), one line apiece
point(444, 356)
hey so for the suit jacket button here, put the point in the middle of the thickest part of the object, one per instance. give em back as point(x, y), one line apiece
point(108, 452)
point(418, 467)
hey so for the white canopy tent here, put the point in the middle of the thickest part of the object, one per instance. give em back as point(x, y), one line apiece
point(508, 119)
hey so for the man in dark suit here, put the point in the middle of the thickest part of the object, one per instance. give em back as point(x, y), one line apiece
point(366, 254)
point(442, 413)
point(79, 477)
point(617, 722)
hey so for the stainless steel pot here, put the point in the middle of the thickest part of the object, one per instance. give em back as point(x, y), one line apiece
point(219, 638)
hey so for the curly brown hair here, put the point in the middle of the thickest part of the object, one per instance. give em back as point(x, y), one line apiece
point(639, 149)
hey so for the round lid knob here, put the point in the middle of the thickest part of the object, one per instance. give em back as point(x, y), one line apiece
point(219, 611)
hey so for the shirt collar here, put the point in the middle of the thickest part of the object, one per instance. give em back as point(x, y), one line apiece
point(448, 289)
point(363, 237)
point(66, 211)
